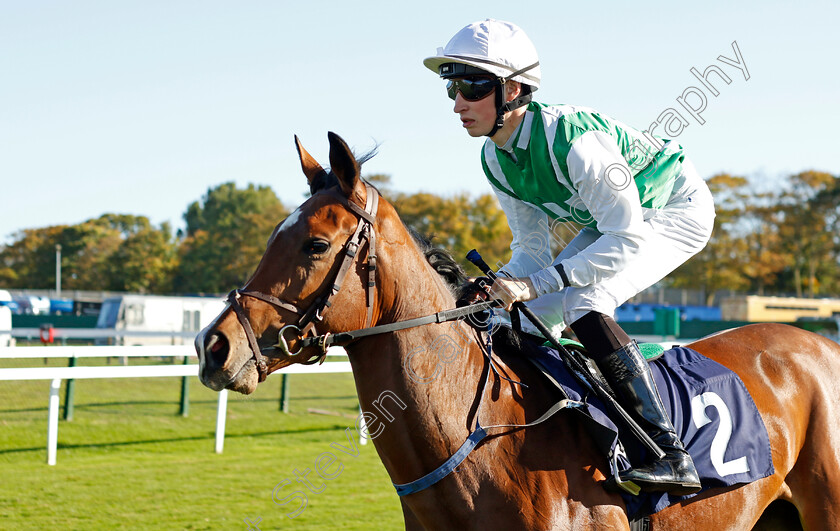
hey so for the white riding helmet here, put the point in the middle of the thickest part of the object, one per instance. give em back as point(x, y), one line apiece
point(494, 46)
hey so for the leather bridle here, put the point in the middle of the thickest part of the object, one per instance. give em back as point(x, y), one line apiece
point(315, 313)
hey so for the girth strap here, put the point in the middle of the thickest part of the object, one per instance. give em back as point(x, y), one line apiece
point(478, 434)
point(404, 489)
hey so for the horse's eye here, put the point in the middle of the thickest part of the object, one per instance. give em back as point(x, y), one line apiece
point(315, 247)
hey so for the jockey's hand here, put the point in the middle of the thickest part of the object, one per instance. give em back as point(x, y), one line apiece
point(511, 290)
point(473, 291)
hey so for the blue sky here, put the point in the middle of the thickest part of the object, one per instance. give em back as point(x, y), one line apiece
point(139, 107)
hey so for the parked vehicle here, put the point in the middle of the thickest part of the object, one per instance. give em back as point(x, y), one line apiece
point(32, 305)
point(7, 301)
point(155, 313)
point(61, 306)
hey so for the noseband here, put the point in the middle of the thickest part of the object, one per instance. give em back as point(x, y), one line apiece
point(315, 313)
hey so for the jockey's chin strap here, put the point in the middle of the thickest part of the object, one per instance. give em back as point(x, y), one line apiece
point(315, 313)
point(503, 108)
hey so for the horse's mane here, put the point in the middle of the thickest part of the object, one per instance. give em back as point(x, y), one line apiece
point(441, 260)
point(506, 341)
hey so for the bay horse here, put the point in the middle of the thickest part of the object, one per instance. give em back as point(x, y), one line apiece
point(341, 262)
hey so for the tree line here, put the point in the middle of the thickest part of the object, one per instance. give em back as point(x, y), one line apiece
point(785, 241)
point(225, 235)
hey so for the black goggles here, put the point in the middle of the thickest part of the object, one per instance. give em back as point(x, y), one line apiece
point(471, 89)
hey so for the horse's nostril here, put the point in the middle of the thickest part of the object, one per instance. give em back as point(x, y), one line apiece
point(217, 348)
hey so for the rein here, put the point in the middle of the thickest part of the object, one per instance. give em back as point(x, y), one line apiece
point(307, 318)
point(344, 338)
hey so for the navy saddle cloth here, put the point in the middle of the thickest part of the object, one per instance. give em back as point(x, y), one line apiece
point(711, 410)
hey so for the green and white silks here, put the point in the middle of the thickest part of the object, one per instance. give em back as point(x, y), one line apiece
point(572, 164)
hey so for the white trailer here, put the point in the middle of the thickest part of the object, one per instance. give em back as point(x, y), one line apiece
point(6, 327)
point(156, 313)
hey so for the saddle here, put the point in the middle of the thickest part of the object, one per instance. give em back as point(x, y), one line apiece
point(708, 404)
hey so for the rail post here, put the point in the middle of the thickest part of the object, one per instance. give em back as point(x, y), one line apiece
point(284, 393)
point(185, 392)
point(221, 415)
point(52, 421)
point(70, 393)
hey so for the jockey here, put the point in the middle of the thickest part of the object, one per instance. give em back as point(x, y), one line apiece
point(643, 208)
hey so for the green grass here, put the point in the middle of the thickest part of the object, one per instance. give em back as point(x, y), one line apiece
point(127, 460)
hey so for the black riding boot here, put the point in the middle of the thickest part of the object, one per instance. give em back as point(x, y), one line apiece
point(629, 375)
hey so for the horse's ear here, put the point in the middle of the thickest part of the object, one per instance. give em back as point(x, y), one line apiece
point(344, 165)
point(315, 174)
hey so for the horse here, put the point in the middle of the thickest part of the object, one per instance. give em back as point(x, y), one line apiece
point(344, 260)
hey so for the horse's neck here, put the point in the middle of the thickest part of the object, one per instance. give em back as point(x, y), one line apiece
point(417, 386)
point(413, 289)
point(417, 389)
point(422, 391)
point(412, 357)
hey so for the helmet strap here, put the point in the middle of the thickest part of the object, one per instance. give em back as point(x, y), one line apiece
point(503, 107)
point(500, 110)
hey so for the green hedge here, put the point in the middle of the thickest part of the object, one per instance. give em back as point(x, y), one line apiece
point(58, 321)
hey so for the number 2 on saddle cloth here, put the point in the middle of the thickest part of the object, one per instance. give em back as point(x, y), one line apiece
point(711, 410)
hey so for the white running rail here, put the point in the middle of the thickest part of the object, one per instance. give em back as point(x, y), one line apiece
point(57, 374)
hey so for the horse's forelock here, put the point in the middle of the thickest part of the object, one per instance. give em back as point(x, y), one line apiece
point(327, 179)
point(323, 181)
